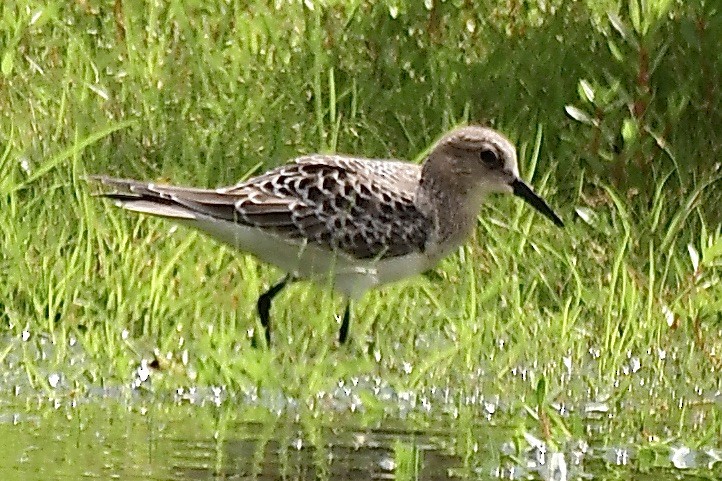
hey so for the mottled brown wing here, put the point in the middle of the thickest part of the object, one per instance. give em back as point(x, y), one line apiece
point(355, 206)
point(362, 207)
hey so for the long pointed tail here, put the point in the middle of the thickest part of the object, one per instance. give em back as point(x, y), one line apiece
point(166, 200)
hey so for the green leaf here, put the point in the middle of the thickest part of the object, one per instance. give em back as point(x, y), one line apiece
point(616, 53)
point(660, 7)
point(579, 115)
point(712, 252)
point(630, 131)
point(623, 30)
point(635, 16)
point(6, 66)
point(586, 91)
point(587, 215)
point(693, 256)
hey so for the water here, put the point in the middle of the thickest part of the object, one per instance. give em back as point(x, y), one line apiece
point(645, 423)
point(181, 442)
point(121, 434)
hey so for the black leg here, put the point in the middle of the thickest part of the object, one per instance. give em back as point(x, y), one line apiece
point(343, 333)
point(264, 306)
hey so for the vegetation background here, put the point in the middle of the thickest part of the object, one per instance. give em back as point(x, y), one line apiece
point(616, 107)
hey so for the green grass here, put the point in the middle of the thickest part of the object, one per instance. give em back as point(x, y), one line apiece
point(622, 306)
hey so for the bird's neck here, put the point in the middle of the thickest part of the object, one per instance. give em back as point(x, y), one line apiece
point(453, 211)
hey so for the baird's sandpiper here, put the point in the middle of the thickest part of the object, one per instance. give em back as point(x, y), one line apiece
point(358, 223)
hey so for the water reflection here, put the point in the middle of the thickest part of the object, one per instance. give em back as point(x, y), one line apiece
point(478, 424)
point(150, 439)
point(264, 453)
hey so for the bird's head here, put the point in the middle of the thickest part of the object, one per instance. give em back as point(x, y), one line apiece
point(478, 161)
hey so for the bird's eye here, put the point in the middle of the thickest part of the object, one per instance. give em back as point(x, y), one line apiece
point(490, 158)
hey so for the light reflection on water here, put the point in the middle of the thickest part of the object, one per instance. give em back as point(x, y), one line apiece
point(368, 454)
point(479, 425)
point(134, 438)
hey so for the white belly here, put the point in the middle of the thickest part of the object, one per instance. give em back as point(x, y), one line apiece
point(351, 277)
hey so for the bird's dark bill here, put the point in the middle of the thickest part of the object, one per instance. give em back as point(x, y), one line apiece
point(522, 190)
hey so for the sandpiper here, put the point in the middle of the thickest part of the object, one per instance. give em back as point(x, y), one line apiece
point(358, 223)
